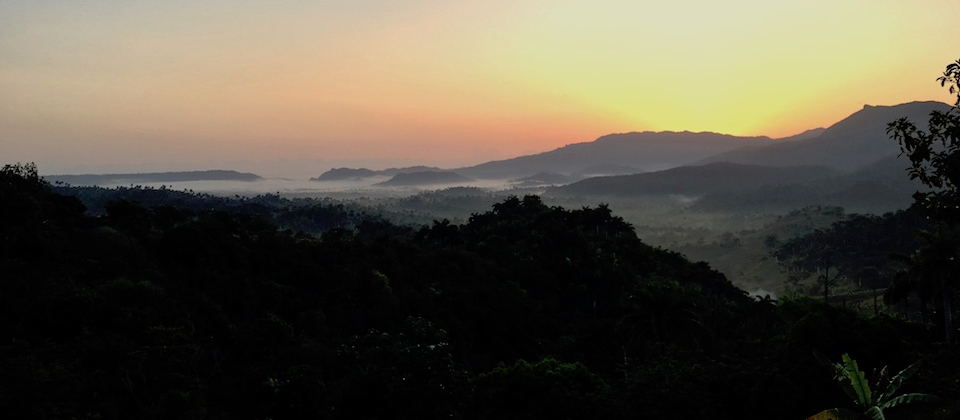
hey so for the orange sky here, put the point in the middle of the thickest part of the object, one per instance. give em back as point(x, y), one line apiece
point(294, 87)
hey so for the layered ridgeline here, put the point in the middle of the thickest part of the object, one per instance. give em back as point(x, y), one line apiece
point(856, 149)
point(617, 154)
point(852, 164)
point(849, 145)
point(694, 180)
point(524, 311)
point(612, 154)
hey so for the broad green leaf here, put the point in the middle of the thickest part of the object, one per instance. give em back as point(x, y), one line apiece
point(909, 399)
point(896, 382)
point(875, 413)
point(858, 381)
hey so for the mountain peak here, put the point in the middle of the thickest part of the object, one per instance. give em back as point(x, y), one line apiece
point(851, 143)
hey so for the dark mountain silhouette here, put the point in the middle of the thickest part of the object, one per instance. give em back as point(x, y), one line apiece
point(424, 178)
point(878, 188)
point(103, 179)
point(854, 142)
point(693, 180)
point(342, 174)
point(848, 145)
point(634, 152)
point(809, 134)
point(609, 169)
point(852, 164)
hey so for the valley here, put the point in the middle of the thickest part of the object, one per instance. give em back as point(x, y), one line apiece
point(711, 197)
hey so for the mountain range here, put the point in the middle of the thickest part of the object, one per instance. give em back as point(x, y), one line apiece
point(850, 163)
point(854, 142)
point(851, 144)
point(617, 154)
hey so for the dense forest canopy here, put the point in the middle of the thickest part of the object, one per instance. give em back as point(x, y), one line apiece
point(146, 303)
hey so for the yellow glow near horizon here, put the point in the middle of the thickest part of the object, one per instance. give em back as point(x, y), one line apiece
point(427, 81)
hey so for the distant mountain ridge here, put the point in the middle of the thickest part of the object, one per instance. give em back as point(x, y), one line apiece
point(641, 151)
point(852, 164)
point(850, 144)
point(693, 180)
point(876, 188)
point(612, 154)
point(186, 176)
point(342, 174)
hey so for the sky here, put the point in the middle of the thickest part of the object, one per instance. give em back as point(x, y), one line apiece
point(295, 87)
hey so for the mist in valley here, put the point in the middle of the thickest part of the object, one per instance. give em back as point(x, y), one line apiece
point(730, 241)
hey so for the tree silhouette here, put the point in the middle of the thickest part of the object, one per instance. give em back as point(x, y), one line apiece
point(935, 161)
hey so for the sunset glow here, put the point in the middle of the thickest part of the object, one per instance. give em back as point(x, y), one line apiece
point(113, 85)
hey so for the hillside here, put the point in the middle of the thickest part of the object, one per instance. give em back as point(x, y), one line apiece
point(718, 177)
point(876, 188)
point(341, 174)
point(618, 153)
point(852, 143)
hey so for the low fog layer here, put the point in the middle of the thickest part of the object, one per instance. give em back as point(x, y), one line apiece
point(305, 187)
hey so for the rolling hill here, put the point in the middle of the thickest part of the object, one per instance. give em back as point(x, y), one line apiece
point(618, 153)
point(342, 174)
point(693, 180)
point(854, 142)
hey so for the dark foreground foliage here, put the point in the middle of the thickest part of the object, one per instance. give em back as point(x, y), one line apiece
point(526, 311)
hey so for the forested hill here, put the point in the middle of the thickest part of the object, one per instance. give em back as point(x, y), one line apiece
point(525, 311)
point(720, 177)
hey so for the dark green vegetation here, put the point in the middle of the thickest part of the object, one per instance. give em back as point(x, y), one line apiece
point(935, 161)
point(179, 305)
point(859, 253)
point(872, 401)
